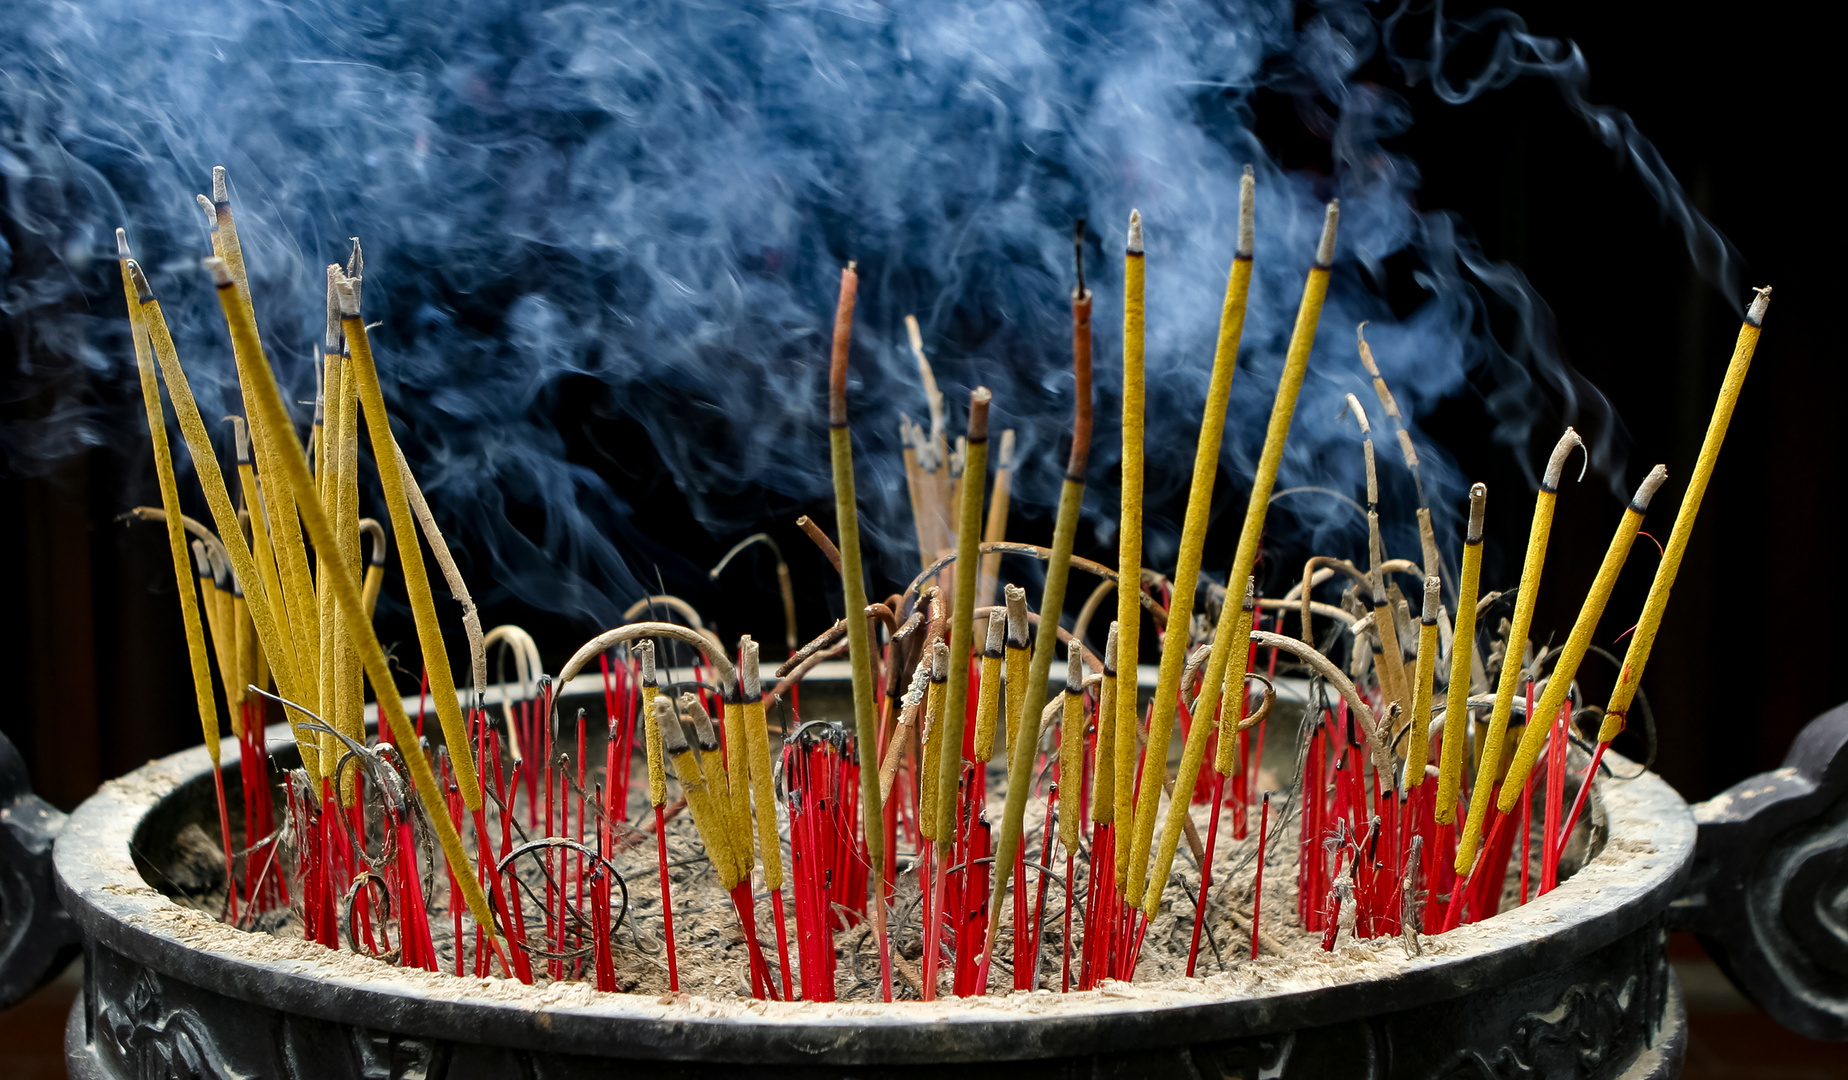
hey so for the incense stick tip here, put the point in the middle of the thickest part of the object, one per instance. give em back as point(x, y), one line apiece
point(1360, 414)
point(122, 251)
point(1110, 649)
point(211, 213)
point(1250, 603)
point(1247, 213)
point(221, 273)
point(221, 190)
point(349, 298)
point(1556, 464)
point(978, 414)
point(1434, 588)
point(1478, 504)
point(1647, 489)
point(1134, 246)
point(240, 438)
point(143, 291)
point(1756, 313)
point(1074, 667)
point(1325, 250)
point(914, 333)
point(1366, 350)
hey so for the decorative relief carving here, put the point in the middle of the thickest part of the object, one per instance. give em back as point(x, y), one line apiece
point(1769, 894)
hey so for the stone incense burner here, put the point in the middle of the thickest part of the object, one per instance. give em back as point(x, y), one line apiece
point(1572, 984)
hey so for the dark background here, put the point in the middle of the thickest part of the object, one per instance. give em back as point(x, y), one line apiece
point(90, 632)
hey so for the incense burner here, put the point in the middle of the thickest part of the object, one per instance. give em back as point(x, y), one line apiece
point(1574, 983)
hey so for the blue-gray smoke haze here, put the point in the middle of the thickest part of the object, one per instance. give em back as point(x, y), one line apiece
point(654, 200)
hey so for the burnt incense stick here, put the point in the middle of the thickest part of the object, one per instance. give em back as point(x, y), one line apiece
point(375, 564)
point(1283, 410)
point(1544, 501)
point(853, 585)
point(962, 616)
point(1463, 645)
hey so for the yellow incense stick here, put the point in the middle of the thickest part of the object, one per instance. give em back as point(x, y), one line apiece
point(1566, 667)
point(690, 771)
point(300, 616)
point(170, 503)
point(375, 566)
point(337, 394)
point(932, 738)
point(1462, 647)
point(651, 725)
point(1024, 705)
point(272, 414)
point(260, 545)
point(1283, 410)
point(1199, 495)
point(737, 775)
point(1015, 660)
point(962, 616)
point(1636, 657)
point(1129, 548)
point(1193, 755)
point(1103, 772)
point(1511, 672)
point(763, 792)
point(1418, 738)
point(217, 498)
point(988, 703)
point(410, 552)
point(1071, 749)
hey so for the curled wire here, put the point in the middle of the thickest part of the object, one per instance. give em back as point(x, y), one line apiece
point(600, 864)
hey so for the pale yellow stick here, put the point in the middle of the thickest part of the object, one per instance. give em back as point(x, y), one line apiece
point(1417, 746)
point(1579, 642)
point(1199, 501)
point(337, 398)
point(1129, 542)
point(1636, 657)
point(988, 703)
point(932, 737)
point(689, 768)
point(1018, 653)
point(1103, 769)
point(996, 529)
point(1071, 750)
point(300, 615)
point(737, 774)
point(217, 498)
point(260, 544)
point(651, 724)
point(1283, 410)
point(272, 414)
point(1512, 669)
point(962, 618)
point(763, 792)
point(1462, 648)
point(735, 845)
point(170, 502)
point(1193, 754)
point(410, 552)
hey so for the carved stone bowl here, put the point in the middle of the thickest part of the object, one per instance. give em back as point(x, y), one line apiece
point(1572, 984)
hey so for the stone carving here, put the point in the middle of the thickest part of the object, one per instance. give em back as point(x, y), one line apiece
point(158, 1042)
point(1769, 894)
point(37, 938)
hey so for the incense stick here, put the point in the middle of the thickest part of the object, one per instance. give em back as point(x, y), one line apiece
point(1283, 410)
point(1531, 568)
point(1462, 645)
point(962, 615)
